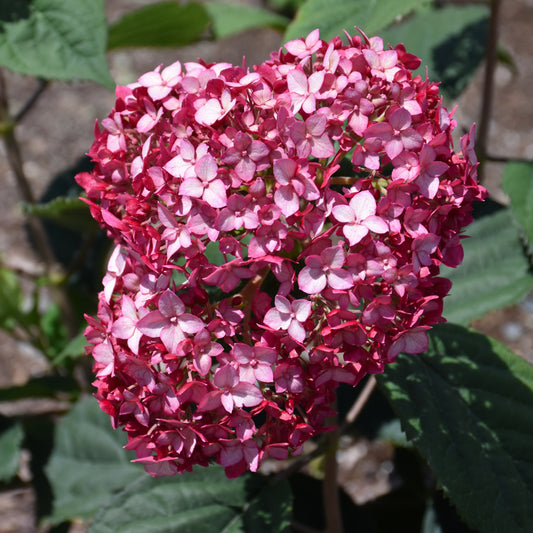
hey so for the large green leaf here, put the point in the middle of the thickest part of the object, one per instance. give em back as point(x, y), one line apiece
point(10, 445)
point(88, 463)
point(160, 24)
point(333, 17)
point(494, 274)
point(55, 39)
point(228, 18)
point(518, 184)
point(203, 501)
point(467, 403)
point(450, 41)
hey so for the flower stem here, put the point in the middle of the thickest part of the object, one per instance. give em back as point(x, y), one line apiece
point(491, 59)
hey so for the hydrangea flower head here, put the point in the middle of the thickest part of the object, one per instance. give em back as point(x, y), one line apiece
point(250, 275)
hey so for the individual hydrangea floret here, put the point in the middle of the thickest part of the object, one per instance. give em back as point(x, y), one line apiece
point(278, 231)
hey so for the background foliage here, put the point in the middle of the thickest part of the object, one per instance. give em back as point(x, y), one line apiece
point(465, 405)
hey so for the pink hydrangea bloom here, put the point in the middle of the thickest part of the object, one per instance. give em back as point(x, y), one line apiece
point(249, 276)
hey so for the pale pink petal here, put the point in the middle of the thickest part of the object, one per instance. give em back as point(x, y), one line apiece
point(376, 224)
point(123, 328)
point(354, 233)
point(209, 113)
point(190, 323)
point(282, 304)
point(363, 205)
point(296, 331)
point(340, 279)
point(275, 320)
point(297, 82)
point(312, 281)
point(206, 167)
point(246, 395)
point(287, 200)
point(215, 194)
point(302, 309)
point(344, 213)
point(192, 187)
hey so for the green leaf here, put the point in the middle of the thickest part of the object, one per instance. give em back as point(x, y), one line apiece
point(160, 24)
point(73, 350)
point(66, 211)
point(450, 41)
point(55, 330)
point(467, 404)
point(11, 298)
point(494, 273)
point(41, 387)
point(392, 432)
point(55, 39)
point(88, 463)
point(518, 185)
point(430, 520)
point(332, 18)
point(203, 501)
point(10, 446)
point(228, 19)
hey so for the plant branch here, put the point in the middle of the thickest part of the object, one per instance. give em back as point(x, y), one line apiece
point(330, 487)
point(303, 460)
point(358, 405)
point(488, 87)
point(44, 250)
point(42, 85)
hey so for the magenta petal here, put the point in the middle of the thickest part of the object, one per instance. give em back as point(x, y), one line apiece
point(170, 304)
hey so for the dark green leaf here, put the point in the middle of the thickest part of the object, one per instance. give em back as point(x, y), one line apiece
point(160, 24)
point(332, 18)
point(450, 41)
point(467, 403)
point(518, 184)
point(68, 212)
point(10, 445)
point(494, 274)
point(203, 501)
point(285, 6)
point(55, 39)
point(88, 463)
point(228, 19)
